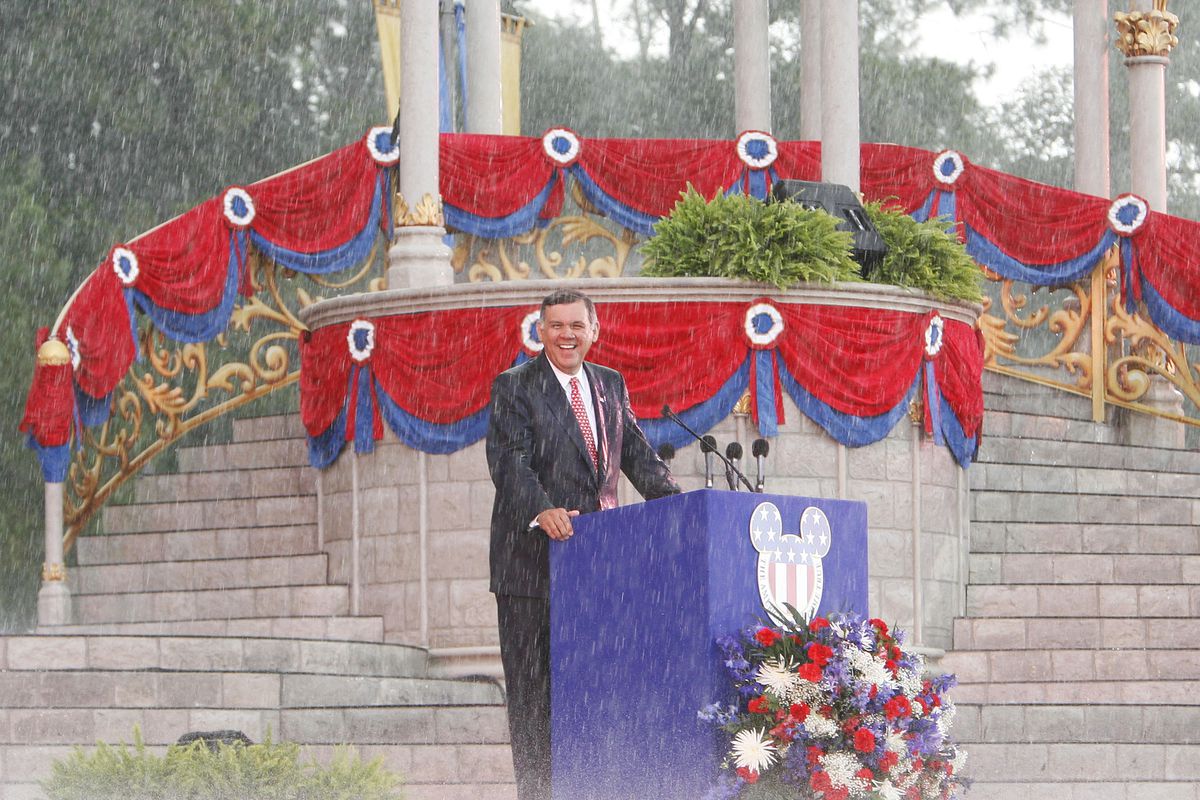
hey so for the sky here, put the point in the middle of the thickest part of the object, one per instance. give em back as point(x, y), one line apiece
point(958, 39)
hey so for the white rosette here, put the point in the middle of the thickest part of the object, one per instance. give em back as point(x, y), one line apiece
point(948, 167)
point(382, 148)
point(125, 264)
point(561, 146)
point(1127, 214)
point(757, 149)
point(361, 339)
point(765, 338)
point(238, 207)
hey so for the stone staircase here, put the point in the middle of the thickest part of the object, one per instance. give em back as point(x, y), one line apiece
point(1078, 657)
point(207, 605)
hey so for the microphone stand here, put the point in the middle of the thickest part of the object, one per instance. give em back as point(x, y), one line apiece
point(671, 415)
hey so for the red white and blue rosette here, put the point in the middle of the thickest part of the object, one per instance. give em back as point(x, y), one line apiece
point(757, 149)
point(381, 146)
point(561, 146)
point(1128, 214)
point(948, 167)
point(238, 208)
point(934, 335)
point(531, 343)
point(361, 340)
point(125, 264)
point(763, 325)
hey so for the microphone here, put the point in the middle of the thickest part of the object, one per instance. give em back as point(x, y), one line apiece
point(666, 451)
point(671, 415)
point(708, 446)
point(734, 453)
point(759, 450)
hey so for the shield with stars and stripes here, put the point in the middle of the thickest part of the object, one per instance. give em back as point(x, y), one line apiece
point(789, 565)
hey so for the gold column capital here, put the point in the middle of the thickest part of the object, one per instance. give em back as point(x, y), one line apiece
point(53, 573)
point(1147, 33)
point(427, 212)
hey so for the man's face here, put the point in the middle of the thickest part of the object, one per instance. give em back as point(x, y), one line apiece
point(567, 334)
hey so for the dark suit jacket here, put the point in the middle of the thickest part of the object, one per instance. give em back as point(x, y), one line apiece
point(538, 460)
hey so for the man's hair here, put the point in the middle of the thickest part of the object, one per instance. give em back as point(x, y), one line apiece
point(564, 297)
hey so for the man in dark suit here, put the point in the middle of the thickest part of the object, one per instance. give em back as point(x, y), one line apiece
point(559, 433)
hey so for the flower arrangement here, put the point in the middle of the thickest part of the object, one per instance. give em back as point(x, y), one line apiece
point(836, 709)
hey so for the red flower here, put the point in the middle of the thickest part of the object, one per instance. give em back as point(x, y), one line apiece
point(924, 705)
point(820, 782)
point(837, 793)
point(796, 640)
point(814, 755)
point(918, 764)
point(864, 741)
point(897, 707)
point(799, 711)
point(810, 672)
point(784, 731)
point(819, 654)
point(888, 760)
point(874, 691)
point(880, 626)
point(759, 705)
point(745, 774)
point(817, 624)
point(865, 774)
point(891, 665)
point(767, 637)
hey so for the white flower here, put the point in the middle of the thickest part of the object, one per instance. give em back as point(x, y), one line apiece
point(753, 750)
point(820, 726)
point(779, 677)
point(869, 668)
point(841, 768)
point(887, 791)
point(960, 761)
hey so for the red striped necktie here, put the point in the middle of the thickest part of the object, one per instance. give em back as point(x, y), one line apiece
point(581, 417)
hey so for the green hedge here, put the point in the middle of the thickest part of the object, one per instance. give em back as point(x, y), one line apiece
point(268, 771)
point(784, 243)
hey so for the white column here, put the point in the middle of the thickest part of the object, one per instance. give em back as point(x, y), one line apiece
point(810, 70)
point(918, 590)
point(839, 93)
point(54, 598)
point(418, 257)
point(1146, 38)
point(1092, 173)
point(485, 112)
point(751, 65)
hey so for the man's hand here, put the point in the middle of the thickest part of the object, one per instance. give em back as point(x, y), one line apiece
point(556, 522)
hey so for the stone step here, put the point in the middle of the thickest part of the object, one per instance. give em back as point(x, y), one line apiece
point(1071, 477)
point(195, 688)
point(265, 454)
point(335, 628)
point(1100, 763)
point(1083, 600)
point(1076, 568)
point(228, 573)
point(1142, 790)
point(212, 653)
point(232, 484)
point(1075, 665)
point(1152, 694)
point(271, 601)
point(1079, 508)
point(206, 515)
point(1052, 452)
point(203, 545)
point(479, 724)
point(276, 426)
point(1073, 633)
point(1076, 723)
point(429, 771)
point(1104, 538)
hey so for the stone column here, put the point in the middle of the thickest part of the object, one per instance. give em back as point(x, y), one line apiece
point(1092, 174)
point(751, 65)
point(418, 256)
point(1146, 37)
point(839, 93)
point(810, 70)
point(484, 95)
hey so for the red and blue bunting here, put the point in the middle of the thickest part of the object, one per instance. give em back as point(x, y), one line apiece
point(325, 216)
point(428, 375)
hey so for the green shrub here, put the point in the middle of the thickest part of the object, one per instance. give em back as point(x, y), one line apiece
point(741, 237)
point(268, 771)
point(923, 255)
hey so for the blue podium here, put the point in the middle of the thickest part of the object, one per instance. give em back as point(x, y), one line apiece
point(638, 597)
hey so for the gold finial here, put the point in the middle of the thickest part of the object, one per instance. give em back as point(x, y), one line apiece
point(53, 353)
point(53, 573)
point(1146, 33)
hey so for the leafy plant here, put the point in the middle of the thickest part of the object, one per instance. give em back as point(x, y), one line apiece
point(267, 771)
point(737, 236)
point(923, 255)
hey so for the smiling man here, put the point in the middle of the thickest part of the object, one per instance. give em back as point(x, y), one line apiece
point(560, 432)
